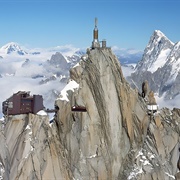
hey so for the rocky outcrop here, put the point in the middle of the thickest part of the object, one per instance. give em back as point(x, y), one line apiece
point(159, 154)
point(30, 149)
point(102, 130)
point(58, 60)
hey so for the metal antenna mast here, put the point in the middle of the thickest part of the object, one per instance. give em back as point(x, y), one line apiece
point(96, 21)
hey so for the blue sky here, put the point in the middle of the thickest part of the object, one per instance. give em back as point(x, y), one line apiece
point(123, 23)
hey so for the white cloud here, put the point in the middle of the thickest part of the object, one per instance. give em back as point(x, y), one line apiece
point(168, 103)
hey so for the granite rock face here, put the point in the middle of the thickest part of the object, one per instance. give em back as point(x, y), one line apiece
point(30, 149)
point(98, 141)
point(115, 138)
point(102, 130)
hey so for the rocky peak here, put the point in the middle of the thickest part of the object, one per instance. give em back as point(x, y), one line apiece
point(104, 125)
point(58, 60)
point(100, 140)
point(153, 56)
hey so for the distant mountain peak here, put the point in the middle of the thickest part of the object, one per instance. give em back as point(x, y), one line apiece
point(160, 65)
point(12, 47)
point(159, 33)
point(156, 52)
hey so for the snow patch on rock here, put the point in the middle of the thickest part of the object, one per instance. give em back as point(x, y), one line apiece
point(42, 113)
point(71, 86)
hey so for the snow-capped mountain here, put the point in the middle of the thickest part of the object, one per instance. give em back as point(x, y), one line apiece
point(156, 53)
point(160, 65)
point(12, 48)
